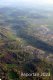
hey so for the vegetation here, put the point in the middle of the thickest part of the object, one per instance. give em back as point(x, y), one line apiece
point(26, 44)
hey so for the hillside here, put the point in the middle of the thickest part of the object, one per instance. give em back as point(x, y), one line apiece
point(26, 46)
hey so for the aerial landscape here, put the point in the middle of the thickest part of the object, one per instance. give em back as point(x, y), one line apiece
point(26, 43)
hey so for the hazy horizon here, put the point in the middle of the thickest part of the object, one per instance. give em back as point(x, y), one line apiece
point(27, 3)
